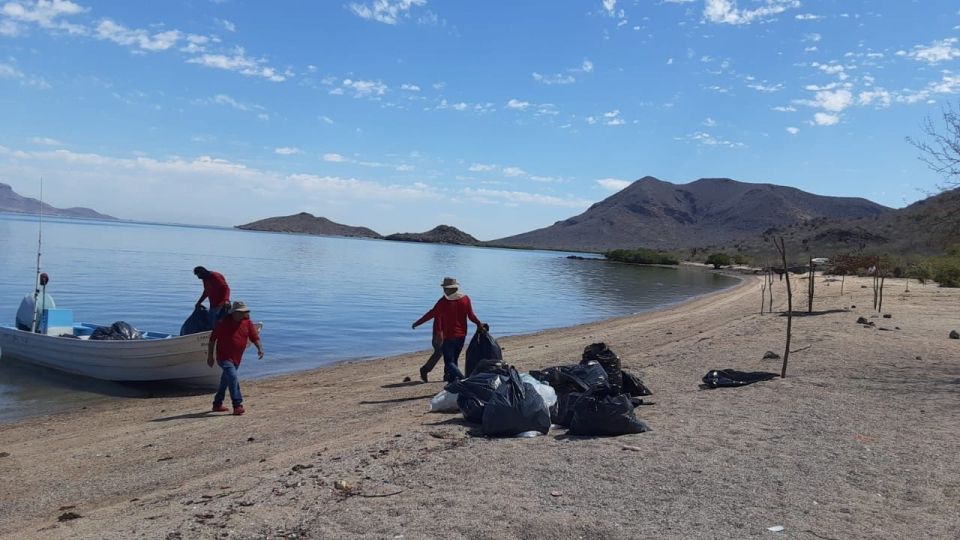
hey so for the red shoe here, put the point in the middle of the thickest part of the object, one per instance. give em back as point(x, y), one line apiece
point(220, 408)
point(238, 410)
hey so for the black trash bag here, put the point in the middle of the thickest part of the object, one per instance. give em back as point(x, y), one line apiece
point(576, 378)
point(563, 413)
point(491, 365)
point(514, 408)
point(117, 331)
point(482, 347)
point(599, 352)
point(198, 321)
point(716, 378)
point(633, 386)
point(474, 392)
point(604, 413)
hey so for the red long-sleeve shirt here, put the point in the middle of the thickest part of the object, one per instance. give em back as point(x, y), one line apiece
point(215, 287)
point(453, 315)
point(232, 337)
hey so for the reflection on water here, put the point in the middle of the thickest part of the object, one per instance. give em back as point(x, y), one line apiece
point(321, 299)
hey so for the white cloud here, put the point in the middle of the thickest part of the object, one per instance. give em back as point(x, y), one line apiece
point(807, 17)
point(612, 118)
point(880, 97)
point(410, 87)
point(610, 6)
point(793, 130)
point(709, 122)
point(521, 197)
point(586, 66)
point(334, 158)
point(287, 150)
point(726, 11)
point(239, 63)
point(517, 104)
point(781, 108)
point(938, 51)
point(481, 167)
point(556, 78)
point(824, 119)
point(386, 11)
point(766, 88)
point(46, 141)
point(227, 101)
point(361, 89)
point(834, 101)
point(141, 39)
point(705, 139)
point(227, 25)
point(326, 119)
point(613, 184)
point(514, 171)
point(44, 13)
point(9, 72)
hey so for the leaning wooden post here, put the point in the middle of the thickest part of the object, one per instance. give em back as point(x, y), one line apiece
point(782, 249)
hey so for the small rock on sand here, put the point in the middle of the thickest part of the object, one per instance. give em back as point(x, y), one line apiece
point(770, 355)
point(954, 334)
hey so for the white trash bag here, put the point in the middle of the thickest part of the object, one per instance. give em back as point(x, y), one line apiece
point(546, 391)
point(444, 402)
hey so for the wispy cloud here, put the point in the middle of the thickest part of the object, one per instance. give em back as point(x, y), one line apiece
point(141, 39)
point(227, 101)
point(793, 130)
point(361, 89)
point(825, 119)
point(727, 12)
point(287, 151)
point(386, 11)
point(513, 198)
point(518, 105)
point(226, 25)
point(47, 14)
point(938, 51)
point(46, 141)
point(566, 77)
point(240, 63)
point(334, 158)
point(706, 139)
point(613, 184)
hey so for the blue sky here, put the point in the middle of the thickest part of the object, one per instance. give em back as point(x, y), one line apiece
point(495, 117)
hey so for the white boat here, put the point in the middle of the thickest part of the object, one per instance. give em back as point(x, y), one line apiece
point(155, 357)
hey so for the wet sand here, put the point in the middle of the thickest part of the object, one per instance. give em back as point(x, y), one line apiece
point(859, 441)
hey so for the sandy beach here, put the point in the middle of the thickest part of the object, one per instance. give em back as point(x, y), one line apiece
point(859, 441)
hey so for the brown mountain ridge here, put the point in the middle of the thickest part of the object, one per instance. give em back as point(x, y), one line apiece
point(655, 214)
point(12, 202)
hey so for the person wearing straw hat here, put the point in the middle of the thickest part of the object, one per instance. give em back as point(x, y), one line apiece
point(229, 340)
point(452, 310)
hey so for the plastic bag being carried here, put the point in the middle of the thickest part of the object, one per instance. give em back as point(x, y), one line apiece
point(514, 408)
point(482, 347)
point(444, 402)
point(198, 321)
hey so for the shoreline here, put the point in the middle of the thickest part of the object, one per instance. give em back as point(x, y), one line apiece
point(823, 450)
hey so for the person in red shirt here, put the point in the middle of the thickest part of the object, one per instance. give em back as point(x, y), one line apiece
point(453, 310)
point(216, 289)
point(229, 340)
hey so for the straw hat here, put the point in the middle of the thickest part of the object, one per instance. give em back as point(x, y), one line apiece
point(450, 283)
point(239, 306)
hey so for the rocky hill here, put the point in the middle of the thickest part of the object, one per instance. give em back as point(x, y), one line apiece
point(10, 201)
point(306, 223)
point(442, 234)
point(926, 227)
point(655, 214)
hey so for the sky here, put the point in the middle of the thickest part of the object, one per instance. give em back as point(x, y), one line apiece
point(496, 117)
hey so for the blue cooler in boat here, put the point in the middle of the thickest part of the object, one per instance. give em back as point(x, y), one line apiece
point(55, 322)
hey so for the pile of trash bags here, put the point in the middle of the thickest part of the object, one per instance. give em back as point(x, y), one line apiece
point(117, 331)
point(593, 397)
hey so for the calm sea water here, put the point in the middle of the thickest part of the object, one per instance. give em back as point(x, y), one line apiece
point(321, 299)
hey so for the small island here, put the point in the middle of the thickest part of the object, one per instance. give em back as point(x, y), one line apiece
point(306, 223)
point(441, 234)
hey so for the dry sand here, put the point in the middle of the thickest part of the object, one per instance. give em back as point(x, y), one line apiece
point(859, 441)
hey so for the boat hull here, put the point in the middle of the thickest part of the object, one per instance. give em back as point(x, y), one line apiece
point(177, 358)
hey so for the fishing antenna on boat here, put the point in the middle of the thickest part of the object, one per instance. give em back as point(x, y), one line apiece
point(36, 290)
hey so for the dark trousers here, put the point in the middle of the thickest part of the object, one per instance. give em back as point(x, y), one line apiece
point(451, 355)
point(435, 357)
